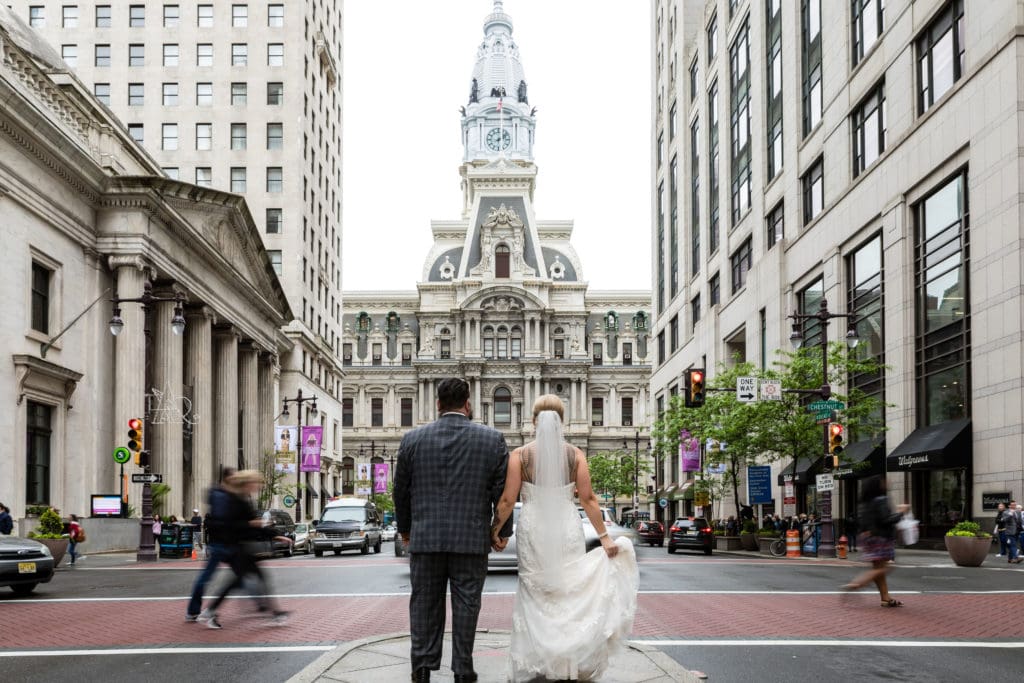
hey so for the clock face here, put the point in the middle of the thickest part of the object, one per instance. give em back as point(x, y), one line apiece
point(498, 138)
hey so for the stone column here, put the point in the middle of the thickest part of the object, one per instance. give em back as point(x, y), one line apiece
point(267, 389)
point(249, 404)
point(129, 359)
point(640, 410)
point(225, 407)
point(584, 403)
point(390, 410)
point(613, 408)
point(477, 404)
point(166, 409)
point(199, 374)
point(361, 408)
point(573, 414)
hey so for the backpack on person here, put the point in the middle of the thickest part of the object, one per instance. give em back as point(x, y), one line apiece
point(80, 534)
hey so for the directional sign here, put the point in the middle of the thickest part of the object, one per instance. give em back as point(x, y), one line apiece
point(746, 389)
point(771, 390)
point(147, 478)
point(825, 482)
point(122, 455)
point(822, 406)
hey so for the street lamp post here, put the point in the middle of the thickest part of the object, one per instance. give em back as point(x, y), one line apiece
point(823, 315)
point(636, 470)
point(298, 401)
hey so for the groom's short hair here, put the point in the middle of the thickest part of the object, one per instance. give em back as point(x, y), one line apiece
point(452, 393)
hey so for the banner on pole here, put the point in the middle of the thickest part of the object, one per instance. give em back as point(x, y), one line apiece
point(284, 448)
point(380, 478)
point(364, 479)
point(312, 441)
point(689, 452)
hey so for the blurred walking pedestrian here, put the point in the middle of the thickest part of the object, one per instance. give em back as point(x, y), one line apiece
point(75, 536)
point(878, 522)
point(216, 549)
point(1000, 529)
point(1012, 530)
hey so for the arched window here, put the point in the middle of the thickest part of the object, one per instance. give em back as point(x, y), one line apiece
point(501, 255)
point(488, 335)
point(502, 406)
point(502, 340)
point(348, 475)
point(611, 321)
point(363, 322)
point(517, 342)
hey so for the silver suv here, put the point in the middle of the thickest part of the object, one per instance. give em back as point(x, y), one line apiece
point(347, 524)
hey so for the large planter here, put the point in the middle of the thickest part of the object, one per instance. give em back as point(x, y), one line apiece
point(728, 543)
point(748, 541)
point(58, 547)
point(968, 551)
point(764, 544)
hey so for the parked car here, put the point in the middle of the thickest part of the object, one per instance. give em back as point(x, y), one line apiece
point(24, 564)
point(388, 532)
point(691, 533)
point(302, 540)
point(283, 525)
point(615, 530)
point(650, 532)
point(509, 557)
point(347, 524)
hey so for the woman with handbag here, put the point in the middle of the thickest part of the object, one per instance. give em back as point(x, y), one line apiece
point(878, 522)
point(239, 527)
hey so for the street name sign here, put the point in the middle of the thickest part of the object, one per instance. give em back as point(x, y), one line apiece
point(822, 406)
point(771, 390)
point(147, 478)
point(825, 482)
point(746, 389)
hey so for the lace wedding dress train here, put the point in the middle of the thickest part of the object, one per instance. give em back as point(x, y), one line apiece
point(573, 608)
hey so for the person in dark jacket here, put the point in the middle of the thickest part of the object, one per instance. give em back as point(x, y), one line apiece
point(878, 522)
point(851, 531)
point(216, 551)
point(1012, 529)
point(237, 526)
point(6, 521)
point(1000, 530)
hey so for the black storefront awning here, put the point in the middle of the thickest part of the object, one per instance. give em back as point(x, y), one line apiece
point(803, 473)
point(862, 459)
point(946, 445)
point(683, 492)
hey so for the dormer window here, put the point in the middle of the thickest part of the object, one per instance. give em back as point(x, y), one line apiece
point(363, 324)
point(501, 261)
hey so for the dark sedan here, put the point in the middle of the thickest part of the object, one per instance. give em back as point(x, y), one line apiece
point(691, 533)
point(650, 532)
point(24, 564)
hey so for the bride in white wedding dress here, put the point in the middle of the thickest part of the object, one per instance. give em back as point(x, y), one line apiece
point(572, 608)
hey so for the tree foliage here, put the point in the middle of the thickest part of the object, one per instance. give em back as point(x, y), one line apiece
point(612, 472)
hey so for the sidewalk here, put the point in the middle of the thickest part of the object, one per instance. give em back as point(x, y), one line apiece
point(909, 557)
point(386, 658)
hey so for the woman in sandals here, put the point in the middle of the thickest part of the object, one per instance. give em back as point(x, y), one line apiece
point(877, 540)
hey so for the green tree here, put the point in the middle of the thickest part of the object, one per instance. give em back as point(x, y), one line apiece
point(275, 482)
point(612, 472)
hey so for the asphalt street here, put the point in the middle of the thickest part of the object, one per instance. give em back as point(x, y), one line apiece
point(735, 617)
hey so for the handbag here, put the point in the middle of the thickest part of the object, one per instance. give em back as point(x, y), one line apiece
point(907, 529)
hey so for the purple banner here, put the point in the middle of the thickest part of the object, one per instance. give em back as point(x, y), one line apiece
point(312, 441)
point(689, 452)
point(380, 478)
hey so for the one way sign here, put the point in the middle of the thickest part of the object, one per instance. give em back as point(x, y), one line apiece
point(746, 389)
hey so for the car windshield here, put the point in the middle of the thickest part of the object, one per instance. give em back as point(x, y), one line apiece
point(343, 515)
point(299, 528)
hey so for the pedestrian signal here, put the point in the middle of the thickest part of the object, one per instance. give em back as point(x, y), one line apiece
point(694, 389)
point(135, 438)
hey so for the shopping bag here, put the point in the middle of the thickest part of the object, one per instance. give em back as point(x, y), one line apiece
point(907, 529)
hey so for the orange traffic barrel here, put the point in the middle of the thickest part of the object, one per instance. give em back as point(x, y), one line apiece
point(792, 543)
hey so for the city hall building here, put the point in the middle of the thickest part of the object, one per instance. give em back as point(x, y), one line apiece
point(866, 153)
point(502, 302)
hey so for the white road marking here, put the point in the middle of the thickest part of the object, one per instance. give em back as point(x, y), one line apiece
point(834, 643)
point(167, 651)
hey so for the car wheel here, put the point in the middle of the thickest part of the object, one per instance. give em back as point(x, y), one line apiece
point(24, 588)
point(365, 548)
point(318, 553)
point(376, 548)
point(289, 551)
point(707, 551)
point(337, 552)
point(671, 550)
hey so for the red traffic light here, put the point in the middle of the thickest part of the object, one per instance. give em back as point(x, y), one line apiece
point(835, 430)
point(134, 423)
point(696, 376)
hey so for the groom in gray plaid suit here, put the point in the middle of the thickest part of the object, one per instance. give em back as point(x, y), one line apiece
point(449, 476)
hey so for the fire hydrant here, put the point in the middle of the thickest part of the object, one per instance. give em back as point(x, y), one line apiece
point(841, 547)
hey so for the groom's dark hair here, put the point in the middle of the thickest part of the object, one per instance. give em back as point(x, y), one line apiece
point(452, 393)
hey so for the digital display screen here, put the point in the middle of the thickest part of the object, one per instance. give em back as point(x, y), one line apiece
point(106, 505)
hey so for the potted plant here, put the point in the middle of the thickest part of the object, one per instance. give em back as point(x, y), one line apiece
point(967, 544)
point(748, 535)
point(50, 533)
point(765, 537)
point(723, 542)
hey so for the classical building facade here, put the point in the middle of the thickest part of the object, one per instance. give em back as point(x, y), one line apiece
point(244, 97)
point(867, 154)
point(88, 215)
point(501, 301)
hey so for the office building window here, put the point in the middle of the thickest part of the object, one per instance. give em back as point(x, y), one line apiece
point(713, 221)
point(868, 125)
point(69, 16)
point(69, 53)
point(172, 16)
point(661, 246)
point(275, 179)
point(136, 55)
point(673, 228)
point(627, 353)
point(940, 55)
point(275, 16)
point(559, 348)
point(809, 302)
point(103, 16)
point(137, 132)
point(169, 136)
point(275, 260)
point(741, 261)
point(275, 221)
point(739, 61)
point(37, 16)
point(446, 348)
point(694, 312)
point(204, 16)
point(102, 92)
point(942, 353)
point(406, 354)
point(171, 54)
point(204, 136)
point(347, 410)
point(238, 179)
point(694, 78)
point(672, 122)
point(712, 38)
point(136, 16)
point(239, 54)
point(773, 87)
point(239, 94)
point(275, 136)
point(275, 54)
point(673, 334)
point(865, 300)
point(714, 290)
point(810, 22)
point(204, 94)
point(239, 136)
point(502, 406)
point(204, 54)
point(172, 172)
point(204, 176)
point(627, 411)
point(136, 95)
point(695, 197)
point(376, 412)
point(597, 411)
point(661, 347)
point(102, 55)
point(501, 261)
point(598, 354)
point(239, 16)
point(814, 190)
point(275, 93)
point(41, 276)
point(868, 22)
point(775, 222)
point(517, 345)
point(37, 458)
point(407, 412)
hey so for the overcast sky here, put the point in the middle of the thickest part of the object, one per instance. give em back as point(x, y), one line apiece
point(407, 70)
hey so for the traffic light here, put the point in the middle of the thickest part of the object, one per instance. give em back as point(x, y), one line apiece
point(135, 438)
point(835, 442)
point(694, 393)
